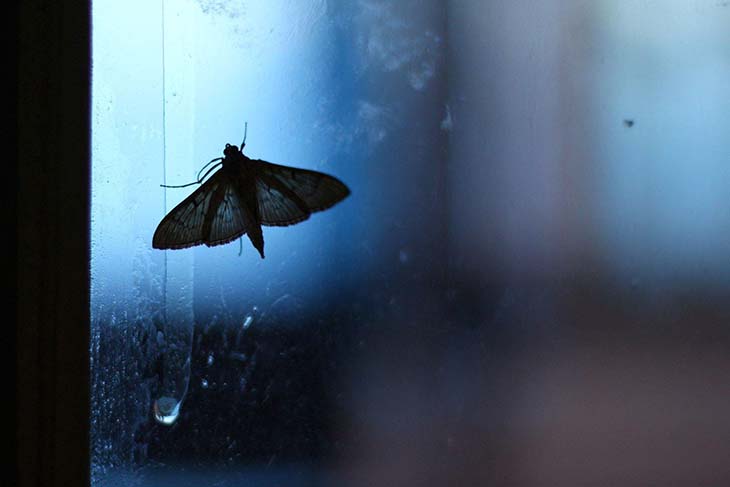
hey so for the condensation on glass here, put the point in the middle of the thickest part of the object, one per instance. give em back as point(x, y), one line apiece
point(501, 155)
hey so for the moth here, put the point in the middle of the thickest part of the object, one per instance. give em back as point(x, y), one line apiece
point(240, 197)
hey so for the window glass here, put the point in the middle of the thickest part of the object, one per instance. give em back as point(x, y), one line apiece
point(538, 214)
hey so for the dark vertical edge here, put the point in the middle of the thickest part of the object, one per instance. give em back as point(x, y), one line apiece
point(10, 207)
point(53, 96)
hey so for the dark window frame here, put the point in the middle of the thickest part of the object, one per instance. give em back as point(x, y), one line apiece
point(52, 254)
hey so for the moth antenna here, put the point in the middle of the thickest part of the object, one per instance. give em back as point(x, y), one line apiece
point(240, 246)
point(208, 164)
point(179, 185)
point(245, 132)
point(199, 179)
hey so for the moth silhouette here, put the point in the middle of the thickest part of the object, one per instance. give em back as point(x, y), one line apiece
point(240, 197)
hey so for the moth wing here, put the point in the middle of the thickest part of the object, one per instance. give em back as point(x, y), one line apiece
point(183, 226)
point(229, 217)
point(288, 195)
point(207, 216)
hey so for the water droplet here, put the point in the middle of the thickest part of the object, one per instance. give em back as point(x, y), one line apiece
point(204, 384)
point(247, 322)
point(210, 360)
point(166, 410)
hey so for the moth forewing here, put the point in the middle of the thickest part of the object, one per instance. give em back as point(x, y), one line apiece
point(183, 226)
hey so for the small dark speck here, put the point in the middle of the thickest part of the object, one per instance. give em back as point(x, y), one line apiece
point(628, 122)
